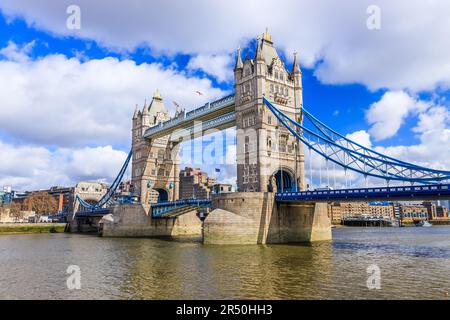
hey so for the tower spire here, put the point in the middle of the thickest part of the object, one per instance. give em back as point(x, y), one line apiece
point(295, 65)
point(135, 112)
point(145, 110)
point(239, 64)
point(157, 95)
point(258, 54)
point(267, 37)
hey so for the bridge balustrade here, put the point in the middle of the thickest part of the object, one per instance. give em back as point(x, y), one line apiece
point(209, 107)
point(433, 191)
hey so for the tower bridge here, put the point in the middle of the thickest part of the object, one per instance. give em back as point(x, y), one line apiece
point(273, 128)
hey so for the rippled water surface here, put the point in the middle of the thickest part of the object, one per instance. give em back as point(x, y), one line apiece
point(414, 263)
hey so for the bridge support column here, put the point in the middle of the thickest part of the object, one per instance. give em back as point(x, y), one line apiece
point(136, 221)
point(255, 218)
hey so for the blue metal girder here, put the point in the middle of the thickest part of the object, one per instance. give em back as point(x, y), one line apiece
point(93, 213)
point(426, 192)
point(360, 159)
point(159, 209)
point(107, 197)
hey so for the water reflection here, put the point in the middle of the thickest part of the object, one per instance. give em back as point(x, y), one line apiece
point(414, 264)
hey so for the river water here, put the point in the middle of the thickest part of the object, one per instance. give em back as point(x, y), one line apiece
point(414, 263)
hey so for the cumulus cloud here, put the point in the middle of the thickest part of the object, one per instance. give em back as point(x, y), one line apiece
point(361, 137)
point(218, 66)
point(433, 130)
point(410, 50)
point(15, 53)
point(27, 167)
point(387, 115)
point(56, 101)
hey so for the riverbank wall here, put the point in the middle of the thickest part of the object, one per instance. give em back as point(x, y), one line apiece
point(31, 228)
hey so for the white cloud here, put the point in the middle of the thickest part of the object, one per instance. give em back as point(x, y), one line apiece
point(218, 66)
point(15, 53)
point(29, 167)
point(58, 101)
point(433, 131)
point(410, 51)
point(387, 115)
point(361, 137)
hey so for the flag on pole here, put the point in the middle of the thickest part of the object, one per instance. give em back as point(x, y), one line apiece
point(217, 170)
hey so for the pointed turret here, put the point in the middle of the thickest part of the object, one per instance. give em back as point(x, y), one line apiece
point(136, 112)
point(157, 95)
point(157, 111)
point(239, 64)
point(295, 65)
point(267, 37)
point(259, 55)
point(145, 109)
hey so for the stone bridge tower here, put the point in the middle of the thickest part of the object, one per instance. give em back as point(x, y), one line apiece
point(267, 154)
point(155, 165)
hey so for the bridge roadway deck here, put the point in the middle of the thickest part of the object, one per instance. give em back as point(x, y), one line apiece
point(409, 193)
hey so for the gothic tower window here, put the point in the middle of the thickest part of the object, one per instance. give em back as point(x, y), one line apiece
point(283, 143)
point(247, 140)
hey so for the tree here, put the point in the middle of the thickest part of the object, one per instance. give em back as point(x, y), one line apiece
point(41, 203)
point(16, 211)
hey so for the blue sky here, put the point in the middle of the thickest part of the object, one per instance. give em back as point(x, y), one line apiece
point(367, 84)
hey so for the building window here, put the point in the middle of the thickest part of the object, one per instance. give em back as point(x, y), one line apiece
point(269, 119)
point(283, 143)
point(161, 154)
point(276, 74)
point(271, 88)
point(287, 91)
point(246, 144)
point(281, 76)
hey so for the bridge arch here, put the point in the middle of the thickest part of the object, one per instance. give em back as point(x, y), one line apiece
point(163, 195)
point(284, 178)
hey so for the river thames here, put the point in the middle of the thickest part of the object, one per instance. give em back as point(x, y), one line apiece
point(414, 264)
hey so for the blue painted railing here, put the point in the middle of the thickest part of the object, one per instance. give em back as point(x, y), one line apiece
point(161, 208)
point(428, 192)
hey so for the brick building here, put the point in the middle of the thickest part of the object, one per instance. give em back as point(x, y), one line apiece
point(194, 183)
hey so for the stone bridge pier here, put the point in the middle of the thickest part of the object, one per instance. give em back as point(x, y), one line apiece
point(255, 218)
